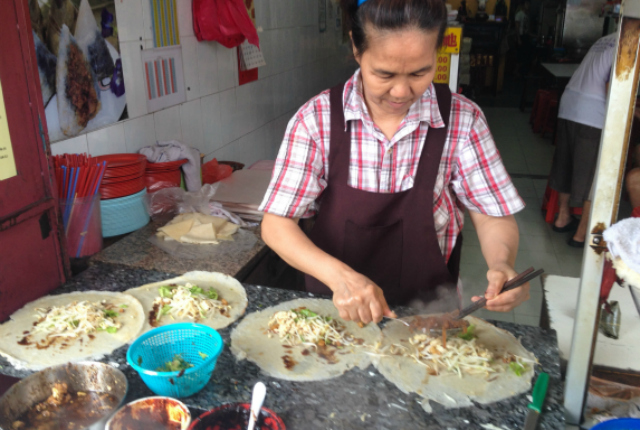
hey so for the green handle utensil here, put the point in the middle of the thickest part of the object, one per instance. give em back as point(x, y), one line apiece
point(539, 392)
point(535, 407)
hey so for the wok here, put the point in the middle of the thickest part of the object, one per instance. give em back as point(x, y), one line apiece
point(83, 376)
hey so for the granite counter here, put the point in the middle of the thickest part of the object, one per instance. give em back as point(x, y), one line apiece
point(359, 399)
point(136, 251)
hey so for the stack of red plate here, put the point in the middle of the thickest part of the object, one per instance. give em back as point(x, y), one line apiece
point(124, 175)
point(163, 175)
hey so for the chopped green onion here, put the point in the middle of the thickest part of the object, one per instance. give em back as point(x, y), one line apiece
point(203, 355)
point(196, 290)
point(469, 334)
point(75, 323)
point(517, 368)
point(123, 306)
point(165, 291)
point(305, 313)
point(212, 294)
point(111, 330)
point(165, 309)
point(110, 314)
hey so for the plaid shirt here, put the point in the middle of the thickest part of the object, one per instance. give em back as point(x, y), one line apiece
point(471, 172)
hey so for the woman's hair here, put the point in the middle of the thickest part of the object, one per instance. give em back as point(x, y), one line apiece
point(426, 15)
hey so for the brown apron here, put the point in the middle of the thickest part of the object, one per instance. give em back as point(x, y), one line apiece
point(388, 237)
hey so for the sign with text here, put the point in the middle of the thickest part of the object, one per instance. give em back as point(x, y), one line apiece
point(7, 162)
point(443, 69)
point(452, 40)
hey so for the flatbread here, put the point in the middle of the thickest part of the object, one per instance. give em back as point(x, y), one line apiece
point(450, 390)
point(249, 340)
point(198, 228)
point(228, 288)
point(93, 346)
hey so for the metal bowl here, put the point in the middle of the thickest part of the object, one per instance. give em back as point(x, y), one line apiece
point(157, 412)
point(83, 376)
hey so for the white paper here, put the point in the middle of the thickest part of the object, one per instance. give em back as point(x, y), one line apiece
point(163, 77)
point(250, 56)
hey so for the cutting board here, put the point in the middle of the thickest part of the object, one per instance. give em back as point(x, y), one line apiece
point(246, 187)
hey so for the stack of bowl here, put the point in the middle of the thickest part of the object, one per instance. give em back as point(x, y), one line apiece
point(123, 194)
point(163, 175)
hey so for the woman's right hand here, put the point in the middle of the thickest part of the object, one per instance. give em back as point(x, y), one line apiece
point(358, 298)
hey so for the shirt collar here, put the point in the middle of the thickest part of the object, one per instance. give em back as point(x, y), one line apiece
point(425, 109)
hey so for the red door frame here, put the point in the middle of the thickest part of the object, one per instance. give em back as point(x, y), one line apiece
point(33, 258)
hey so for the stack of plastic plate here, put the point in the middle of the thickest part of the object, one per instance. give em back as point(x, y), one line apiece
point(163, 175)
point(125, 214)
point(124, 175)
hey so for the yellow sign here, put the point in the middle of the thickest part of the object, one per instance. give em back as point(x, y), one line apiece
point(443, 69)
point(7, 163)
point(452, 40)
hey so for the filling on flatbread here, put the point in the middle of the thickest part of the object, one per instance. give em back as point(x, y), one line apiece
point(78, 318)
point(187, 301)
point(302, 326)
point(459, 355)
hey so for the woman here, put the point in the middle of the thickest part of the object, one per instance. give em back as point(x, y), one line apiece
point(388, 170)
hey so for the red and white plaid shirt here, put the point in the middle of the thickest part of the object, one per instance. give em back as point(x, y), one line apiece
point(471, 172)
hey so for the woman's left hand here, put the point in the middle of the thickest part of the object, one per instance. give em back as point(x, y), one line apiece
point(505, 302)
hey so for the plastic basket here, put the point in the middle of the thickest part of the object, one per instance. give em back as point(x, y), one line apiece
point(198, 344)
point(124, 214)
point(618, 424)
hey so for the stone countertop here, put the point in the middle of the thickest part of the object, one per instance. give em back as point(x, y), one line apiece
point(136, 251)
point(358, 399)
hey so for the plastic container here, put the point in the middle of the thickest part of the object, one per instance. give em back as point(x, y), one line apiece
point(236, 415)
point(618, 424)
point(124, 215)
point(197, 344)
point(84, 225)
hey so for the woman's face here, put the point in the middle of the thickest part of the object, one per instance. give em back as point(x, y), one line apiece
point(397, 68)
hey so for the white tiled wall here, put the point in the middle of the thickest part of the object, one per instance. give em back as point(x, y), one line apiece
point(223, 120)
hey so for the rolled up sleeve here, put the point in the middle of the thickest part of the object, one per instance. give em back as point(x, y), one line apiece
point(480, 180)
point(298, 175)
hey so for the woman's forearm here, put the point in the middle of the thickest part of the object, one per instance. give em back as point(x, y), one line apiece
point(287, 239)
point(499, 239)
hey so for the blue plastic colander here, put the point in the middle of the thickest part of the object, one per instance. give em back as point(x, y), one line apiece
point(618, 424)
point(196, 343)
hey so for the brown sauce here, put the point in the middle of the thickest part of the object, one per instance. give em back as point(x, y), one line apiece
point(305, 352)
point(24, 341)
point(438, 322)
point(153, 322)
point(73, 411)
point(328, 353)
point(289, 363)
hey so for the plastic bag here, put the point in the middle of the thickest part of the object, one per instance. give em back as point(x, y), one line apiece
point(225, 21)
point(214, 172)
point(169, 202)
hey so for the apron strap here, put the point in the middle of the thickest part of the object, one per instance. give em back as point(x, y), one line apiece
point(340, 143)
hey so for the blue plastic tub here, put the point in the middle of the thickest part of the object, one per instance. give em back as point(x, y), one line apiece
point(124, 214)
point(618, 424)
point(198, 344)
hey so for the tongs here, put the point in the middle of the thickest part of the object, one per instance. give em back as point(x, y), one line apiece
point(511, 284)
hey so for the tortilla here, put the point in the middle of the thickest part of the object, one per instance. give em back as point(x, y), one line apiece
point(450, 390)
point(228, 288)
point(76, 86)
point(249, 340)
point(14, 333)
point(197, 228)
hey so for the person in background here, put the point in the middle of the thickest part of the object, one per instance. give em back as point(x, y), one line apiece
point(580, 121)
point(389, 162)
point(633, 176)
point(525, 47)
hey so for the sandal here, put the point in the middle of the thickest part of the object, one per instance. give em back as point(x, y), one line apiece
point(571, 226)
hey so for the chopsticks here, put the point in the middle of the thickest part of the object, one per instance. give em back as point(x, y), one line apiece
point(511, 284)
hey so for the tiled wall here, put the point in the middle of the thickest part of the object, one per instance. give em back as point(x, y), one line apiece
point(223, 120)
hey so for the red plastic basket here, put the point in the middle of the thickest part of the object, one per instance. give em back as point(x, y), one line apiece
point(122, 165)
point(158, 180)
